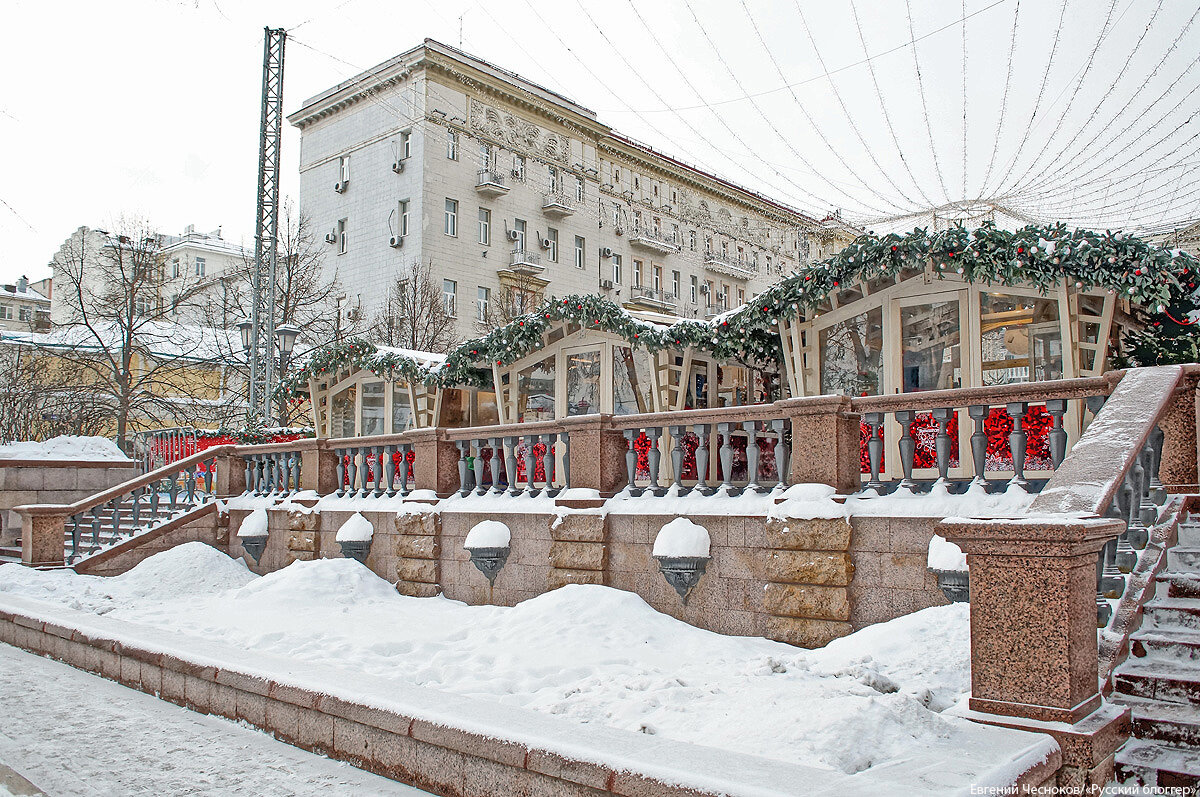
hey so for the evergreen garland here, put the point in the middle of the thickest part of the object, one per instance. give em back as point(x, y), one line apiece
point(1042, 256)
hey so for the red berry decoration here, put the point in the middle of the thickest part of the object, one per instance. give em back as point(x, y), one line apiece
point(893, 249)
point(1020, 250)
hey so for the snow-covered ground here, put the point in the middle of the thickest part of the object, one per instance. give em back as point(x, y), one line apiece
point(70, 732)
point(873, 700)
point(64, 447)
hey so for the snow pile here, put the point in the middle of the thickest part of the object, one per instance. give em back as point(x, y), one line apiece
point(254, 524)
point(488, 534)
point(356, 529)
point(872, 700)
point(65, 447)
point(682, 537)
point(945, 555)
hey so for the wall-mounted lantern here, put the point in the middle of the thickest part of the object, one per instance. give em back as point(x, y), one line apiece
point(682, 549)
point(489, 542)
point(252, 534)
point(354, 537)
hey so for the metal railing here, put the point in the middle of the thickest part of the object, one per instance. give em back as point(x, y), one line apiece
point(375, 468)
point(523, 257)
point(488, 177)
point(655, 295)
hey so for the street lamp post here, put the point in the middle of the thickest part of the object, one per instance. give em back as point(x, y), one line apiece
point(285, 343)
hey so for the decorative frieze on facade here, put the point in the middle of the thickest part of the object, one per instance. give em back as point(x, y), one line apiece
point(518, 134)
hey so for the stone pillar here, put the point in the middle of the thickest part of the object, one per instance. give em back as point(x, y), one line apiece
point(43, 530)
point(318, 469)
point(418, 552)
point(578, 554)
point(1033, 613)
point(808, 569)
point(231, 474)
point(825, 442)
point(597, 454)
point(435, 466)
point(1178, 470)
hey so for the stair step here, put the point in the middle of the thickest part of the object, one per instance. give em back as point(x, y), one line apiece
point(1167, 643)
point(1189, 533)
point(1177, 613)
point(1180, 585)
point(1183, 559)
point(1159, 764)
point(1168, 680)
point(1171, 723)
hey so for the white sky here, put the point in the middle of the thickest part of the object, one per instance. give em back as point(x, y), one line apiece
point(151, 108)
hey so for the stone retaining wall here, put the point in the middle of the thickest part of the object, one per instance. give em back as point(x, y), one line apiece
point(52, 482)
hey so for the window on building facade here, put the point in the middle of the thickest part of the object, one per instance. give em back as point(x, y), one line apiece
point(741, 255)
point(24, 313)
point(708, 245)
point(674, 197)
point(452, 145)
point(554, 180)
point(579, 189)
point(692, 241)
point(724, 248)
point(656, 225)
point(406, 144)
point(637, 273)
point(6, 312)
point(486, 161)
point(342, 242)
point(616, 264)
point(143, 305)
point(637, 183)
point(200, 267)
point(616, 176)
point(768, 264)
point(675, 283)
point(695, 290)
point(741, 296)
point(451, 226)
point(482, 303)
point(656, 189)
point(402, 212)
point(579, 249)
point(616, 214)
point(519, 227)
point(658, 278)
point(175, 267)
point(519, 167)
point(450, 296)
point(552, 237)
point(637, 221)
point(675, 234)
point(485, 226)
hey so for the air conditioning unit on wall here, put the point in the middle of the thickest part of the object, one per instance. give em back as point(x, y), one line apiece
point(606, 252)
point(396, 241)
point(341, 185)
point(606, 284)
point(331, 237)
point(398, 166)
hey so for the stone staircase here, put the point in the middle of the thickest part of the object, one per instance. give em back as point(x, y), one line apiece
point(106, 528)
point(1160, 681)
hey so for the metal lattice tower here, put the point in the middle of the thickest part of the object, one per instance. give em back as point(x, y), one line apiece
point(266, 229)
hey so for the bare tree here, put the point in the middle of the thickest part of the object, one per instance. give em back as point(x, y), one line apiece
point(40, 398)
point(117, 334)
point(518, 294)
point(417, 315)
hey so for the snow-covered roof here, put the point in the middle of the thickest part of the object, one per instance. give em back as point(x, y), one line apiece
point(27, 294)
point(422, 357)
point(160, 338)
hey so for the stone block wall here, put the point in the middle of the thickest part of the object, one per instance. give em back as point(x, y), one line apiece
point(891, 579)
point(33, 482)
point(808, 569)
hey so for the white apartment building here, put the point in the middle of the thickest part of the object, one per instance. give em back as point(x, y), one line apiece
point(25, 308)
point(191, 261)
point(513, 191)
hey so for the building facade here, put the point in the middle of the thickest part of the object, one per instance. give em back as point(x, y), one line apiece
point(24, 308)
point(511, 192)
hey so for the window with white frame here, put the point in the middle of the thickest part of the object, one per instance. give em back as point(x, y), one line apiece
point(580, 245)
point(695, 289)
point(675, 284)
point(344, 168)
point(658, 278)
point(616, 264)
point(579, 189)
point(486, 160)
point(616, 174)
point(519, 227)
point(675, 234)
point(451, 225)
point(24, 313)
point(519, 167)
point(552, 237)
point(485, 226)
point(143, 305)
point(6, 312)
point(741, 296)
point(674, 197)
point(637, 273)
point(450, 296)
point(692, 241)
point(342, 242)
point(402, 214)
point(452, 145)
point(200, 264)
point(483, 302)
point(175, 267)
point(406, 144)
point(554, 179)
point(616, 214)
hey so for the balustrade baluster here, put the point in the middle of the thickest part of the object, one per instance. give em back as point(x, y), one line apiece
point(1125, 557)
point(250, 484)
point(352, 464)
point(156, 498)
point(480, 487)
point(405, 448)
point(389, 470)
point(908, 448)
point(874, 422)
point(464, 446)
point(136, 508)
point(115, 508)
point(654, 458)
point(1136, 530)
point(565, 439)
point(550, 462)
point(209, 468)
point(753, 455)
point(1149, 509)
point(979, 413)
point(677, 458)
point(297, 460)
point(74, 539)
point(726, 456)
point(1017, 441)
point(1113, 583)
point(341, 470)
point(1058, 435)
point(498, 474)
point(377, 469)
point(1094, 404)
point(1103, 609)
point(631, 436)
point(95, 529)
point(173, 491)
point(702, 431)
point(1158, 492)
point(943, 416)
point(189, 483)
point(530, 462)
point(510, 463)
point(782, 455)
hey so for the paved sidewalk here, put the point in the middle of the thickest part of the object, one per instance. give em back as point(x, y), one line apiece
point(73, 733)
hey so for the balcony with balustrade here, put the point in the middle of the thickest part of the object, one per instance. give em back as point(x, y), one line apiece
point(490, 183)
point(644, 237)
point(557, 204)
point(641, 297)
point(738, 268)
point(525, 263)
